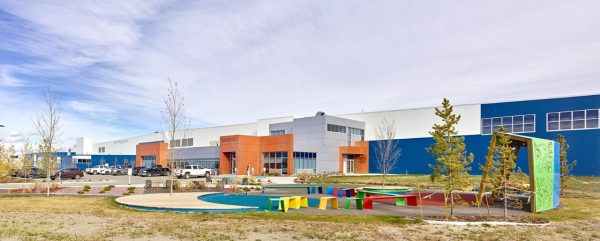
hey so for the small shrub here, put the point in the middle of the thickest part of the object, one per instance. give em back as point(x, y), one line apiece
point(258, 188)
point(111, 186)
point(80, 192)
point(131, 188)
point(177, 185)
point(86, 188)
point(102, 191)
point(126, 194)
point(220, 186)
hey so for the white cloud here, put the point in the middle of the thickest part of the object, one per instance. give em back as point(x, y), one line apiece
point(240, 61)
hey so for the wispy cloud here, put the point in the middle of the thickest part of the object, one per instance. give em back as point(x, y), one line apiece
point(240, 61)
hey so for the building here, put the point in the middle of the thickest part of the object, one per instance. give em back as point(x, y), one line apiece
point(344, 143)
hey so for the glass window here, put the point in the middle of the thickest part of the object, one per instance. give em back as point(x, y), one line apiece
point(486, 122)
point(565, 116)
point(579, 115)
point(552, 116)
point(486, 130)
point(565, 125)
point(529, 119)
point(592, 123)
point(518, 119)
point(497, 121)
point(529, 127)
point(578, 124)
point(592, 114)
point(507, 121)
point(518, 128)
point(552, 126)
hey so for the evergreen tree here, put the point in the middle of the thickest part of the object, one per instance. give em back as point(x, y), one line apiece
point(449, 151)
point(565, 166)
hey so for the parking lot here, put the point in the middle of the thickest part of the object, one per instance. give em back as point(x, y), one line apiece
point(103, 180)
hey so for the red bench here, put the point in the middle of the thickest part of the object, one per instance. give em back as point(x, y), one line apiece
point(401, 200)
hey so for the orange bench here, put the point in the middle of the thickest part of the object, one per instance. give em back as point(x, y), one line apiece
point(401, 200)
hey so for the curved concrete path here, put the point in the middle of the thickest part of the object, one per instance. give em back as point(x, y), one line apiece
point(187, 200)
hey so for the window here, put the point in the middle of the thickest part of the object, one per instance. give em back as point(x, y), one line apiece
point(199, 163)
point(356, 131)
point(336, 128)
point(101, 149)
point(182, 142)
point(277, 132)
point(305, 161)
point(572, 120)
point(511, 124)
point(84, 160)
point(275, 162)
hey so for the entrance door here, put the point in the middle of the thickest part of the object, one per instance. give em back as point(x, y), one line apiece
point(233, 162)
point(349, 164)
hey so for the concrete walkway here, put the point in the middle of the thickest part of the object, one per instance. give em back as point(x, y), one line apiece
point(176, 201)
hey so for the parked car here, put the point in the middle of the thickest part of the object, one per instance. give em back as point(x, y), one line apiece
point(73, 173)
point(34, 172)
point(99, 169)
point(192, 171)
point(154, 171)
point(136, 171)
point(119, 170)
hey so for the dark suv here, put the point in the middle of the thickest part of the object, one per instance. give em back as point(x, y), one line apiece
point(73, 173)
point(154, 171)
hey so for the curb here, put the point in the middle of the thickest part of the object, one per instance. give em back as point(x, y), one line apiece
point(492, 223)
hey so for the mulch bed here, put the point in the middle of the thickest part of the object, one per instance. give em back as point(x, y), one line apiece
point(512, 219)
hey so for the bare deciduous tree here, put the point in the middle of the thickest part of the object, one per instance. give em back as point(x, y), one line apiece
point(47, 126)
point(387, 151)
point(25, 161)
point(174, 118)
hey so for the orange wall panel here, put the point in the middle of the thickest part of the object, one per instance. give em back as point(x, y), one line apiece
point(249, 151)
point(361, 163)
point(158, 149)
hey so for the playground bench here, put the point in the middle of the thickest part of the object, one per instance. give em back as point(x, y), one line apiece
point(401, 200)
point(278, 187)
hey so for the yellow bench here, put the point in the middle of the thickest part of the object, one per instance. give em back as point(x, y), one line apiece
point(324, 200)
point(297, 202)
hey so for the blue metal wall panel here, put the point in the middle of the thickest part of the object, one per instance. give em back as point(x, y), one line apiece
point(111, 160)
point(585, 144)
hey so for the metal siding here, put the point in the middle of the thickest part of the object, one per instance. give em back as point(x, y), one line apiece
point(583, 143)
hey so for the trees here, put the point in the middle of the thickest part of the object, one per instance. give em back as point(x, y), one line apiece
point(565, 166)
point(501, 156)
point(7, 161)
point(174, 118)
point(47, 126)
point(449, 151)
point(25, 161)
point(386, 149)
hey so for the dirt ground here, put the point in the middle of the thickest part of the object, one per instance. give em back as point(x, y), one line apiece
point(99, 218)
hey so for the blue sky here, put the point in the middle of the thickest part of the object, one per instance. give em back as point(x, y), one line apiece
point(109, 61)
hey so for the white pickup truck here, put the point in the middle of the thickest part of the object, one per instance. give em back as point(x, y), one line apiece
point(192, 171)
point(99, 169)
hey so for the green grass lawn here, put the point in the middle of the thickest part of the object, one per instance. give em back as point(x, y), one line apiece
point(100, 218)
point(410, 180)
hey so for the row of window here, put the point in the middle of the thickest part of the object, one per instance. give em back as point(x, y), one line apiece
point(277, 132)
point(182, 142)
point(84, 160)
point(275, 162)
point(305, 161)
point(211, 163)
point(555, 121)
point(356, 131)
point(342, 129)
point(512, 124)
point(336, 128)
point(572, 120)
